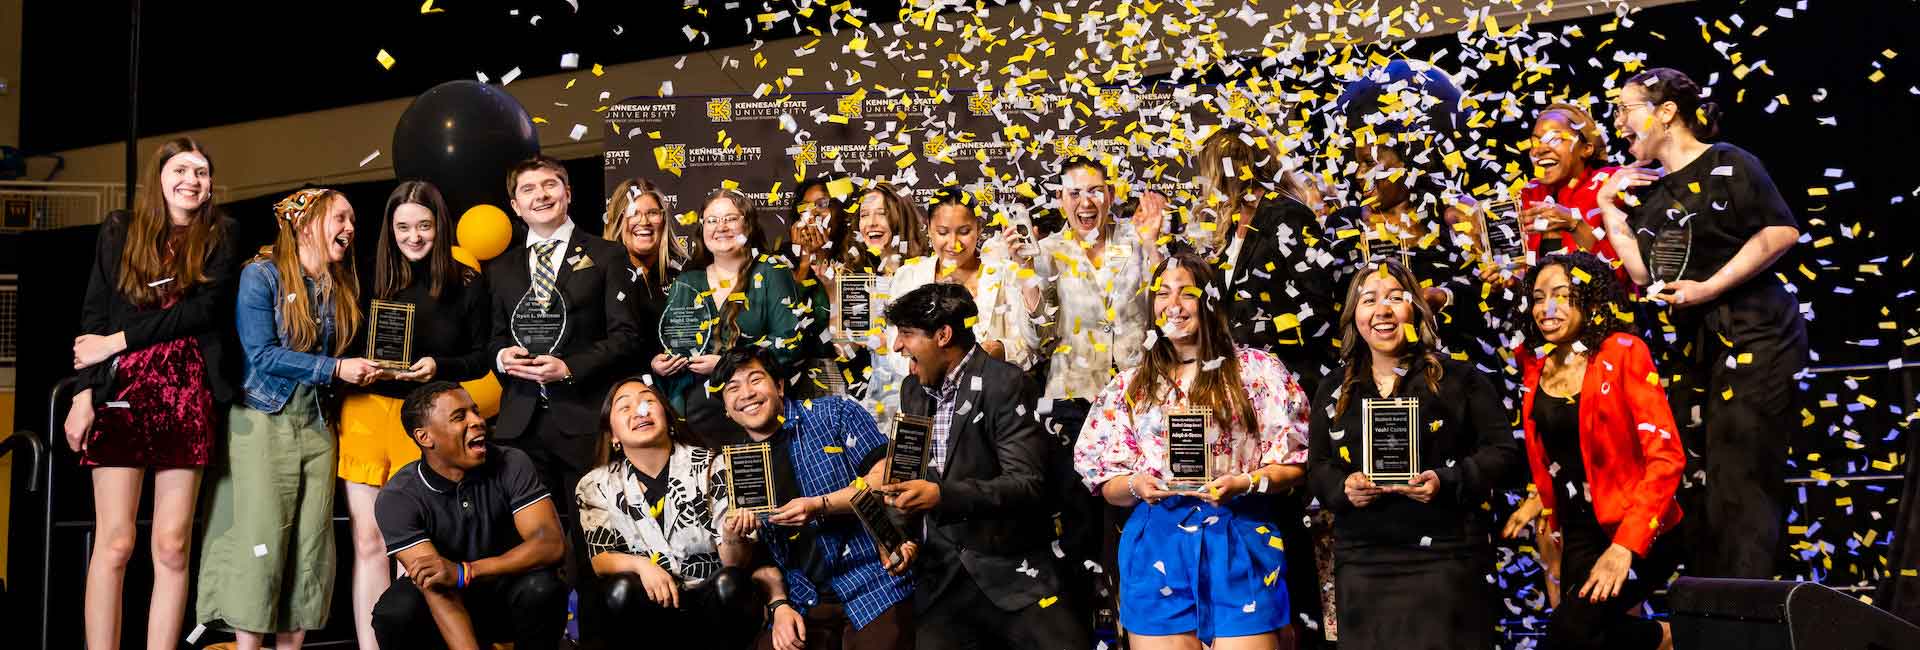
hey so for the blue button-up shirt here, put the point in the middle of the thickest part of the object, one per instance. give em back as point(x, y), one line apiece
point(813, 428)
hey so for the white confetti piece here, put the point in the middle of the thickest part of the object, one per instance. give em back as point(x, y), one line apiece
point(259, 550)
point(370, 157)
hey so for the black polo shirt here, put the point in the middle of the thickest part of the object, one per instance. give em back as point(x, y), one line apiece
point(466, 521)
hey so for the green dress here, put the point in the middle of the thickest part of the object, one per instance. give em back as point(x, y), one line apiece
point(268, 562)
point(776, 312)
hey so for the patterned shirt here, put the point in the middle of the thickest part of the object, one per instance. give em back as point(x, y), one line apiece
point(943, 400)
point(828, 437)
point(1103, 312)
point(1119, 440)
point(682, 536)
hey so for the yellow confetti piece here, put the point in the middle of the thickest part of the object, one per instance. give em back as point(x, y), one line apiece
point(1727, 394)
point(1276, 543)
point(385, 59)
point(832, 449)
point(1407, 330)
point(1048, 601)
point(428, 8)
point(1345, 456)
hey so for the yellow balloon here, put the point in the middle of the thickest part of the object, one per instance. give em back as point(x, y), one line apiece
point(486, 394)
point(464, 256)
point(484, 231)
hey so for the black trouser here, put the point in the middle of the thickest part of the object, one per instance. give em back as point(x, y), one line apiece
point(555, 456)
point(1088, 531)
point(961, 617)
point(528, 609)
point(1582, 624)
point(1747, 415)
point(719, 614)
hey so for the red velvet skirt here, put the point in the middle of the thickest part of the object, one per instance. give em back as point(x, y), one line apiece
point(161, 413)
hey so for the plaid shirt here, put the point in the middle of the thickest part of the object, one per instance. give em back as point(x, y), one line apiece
point(829, 436)
point(943, 400)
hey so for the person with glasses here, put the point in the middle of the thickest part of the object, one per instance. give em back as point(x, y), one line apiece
point(637, 220)
point(1703, 238)
point(740, 298)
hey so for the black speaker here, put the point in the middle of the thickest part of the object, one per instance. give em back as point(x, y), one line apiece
point(1715, 613)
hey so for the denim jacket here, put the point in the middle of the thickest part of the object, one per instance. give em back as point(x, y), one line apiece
point(272, 370)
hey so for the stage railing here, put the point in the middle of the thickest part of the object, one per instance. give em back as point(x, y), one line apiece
point(46, 205)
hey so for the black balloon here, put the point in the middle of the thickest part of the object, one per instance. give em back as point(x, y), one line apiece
point(463, 136)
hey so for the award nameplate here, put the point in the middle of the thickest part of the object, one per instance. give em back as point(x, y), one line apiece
point(1188, 461)
point(854, 303)
point(1503, 237)
point(750, 477)
point(681, 331)
point(907, 451)
point(390, 334)
point(873, 517)
point(1390, 440)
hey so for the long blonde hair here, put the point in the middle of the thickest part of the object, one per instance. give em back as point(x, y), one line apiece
point(299, 328)
point(624, 196)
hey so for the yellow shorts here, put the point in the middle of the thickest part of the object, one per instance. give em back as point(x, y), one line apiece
point(372, 443)
point(373, 446)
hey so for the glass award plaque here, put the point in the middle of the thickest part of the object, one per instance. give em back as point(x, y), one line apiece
point(1390, 440)
point(854, 302)
point(1672, 245)
point(683, 332)
point(539, 322)
point(750, 477)
point(1188, 462)
point(390, 334)
point(907, 452)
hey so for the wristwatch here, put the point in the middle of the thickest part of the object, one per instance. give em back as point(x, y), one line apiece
point(775, 606)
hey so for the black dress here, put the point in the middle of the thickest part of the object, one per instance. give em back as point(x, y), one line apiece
point(1411, 575)
point(1578, 622)
point(1473, 324)
point(1747, 412)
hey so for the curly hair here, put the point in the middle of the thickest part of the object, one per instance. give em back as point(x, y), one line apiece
point(1596, 294)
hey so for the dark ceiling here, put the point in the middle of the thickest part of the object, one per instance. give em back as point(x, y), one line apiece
point(214, 62)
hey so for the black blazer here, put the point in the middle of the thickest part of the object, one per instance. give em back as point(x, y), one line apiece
point(993, 517)
point(602, 341)
point(1299, 278)
point(205, 312)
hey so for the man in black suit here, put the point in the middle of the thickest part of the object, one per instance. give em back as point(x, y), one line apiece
point(986, 574)
point(550, 399)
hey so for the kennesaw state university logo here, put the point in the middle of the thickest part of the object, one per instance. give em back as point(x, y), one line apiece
point(1109, 99)
point(720, 109)
point(935, 146)
point(849, 106)
point(809, 153)
point(672, 157)
point(981, 104)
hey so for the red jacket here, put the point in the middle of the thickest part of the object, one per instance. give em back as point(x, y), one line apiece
point(1628, 442)
point(1583, 196)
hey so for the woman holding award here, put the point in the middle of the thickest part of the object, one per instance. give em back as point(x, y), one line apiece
point(655, 515)
point(1702, 237)
point(427, 319)
point(962, 255)
point(637, 219)
point(1604, 452)
point(1406, 446)
point(269, 531)
point(727, 297)
point(1199, 423)
point(150, 379)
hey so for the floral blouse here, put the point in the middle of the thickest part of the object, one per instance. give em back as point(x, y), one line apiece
point(1118, 440)
point(683, 537)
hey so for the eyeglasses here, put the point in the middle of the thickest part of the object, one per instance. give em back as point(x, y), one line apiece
point(1625, 108)
point(652, 214)
point(1089, 193)
point(724, 220)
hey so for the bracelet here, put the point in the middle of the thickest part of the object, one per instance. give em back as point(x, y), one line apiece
point(460, 576)
point(1130, 490)
point(1251, 483)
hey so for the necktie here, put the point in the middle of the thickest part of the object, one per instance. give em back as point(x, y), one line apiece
point(543, 269)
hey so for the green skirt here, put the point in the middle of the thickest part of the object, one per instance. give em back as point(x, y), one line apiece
point(267, 562)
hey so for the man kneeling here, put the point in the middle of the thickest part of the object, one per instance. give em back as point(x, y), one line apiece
point(475, 530)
